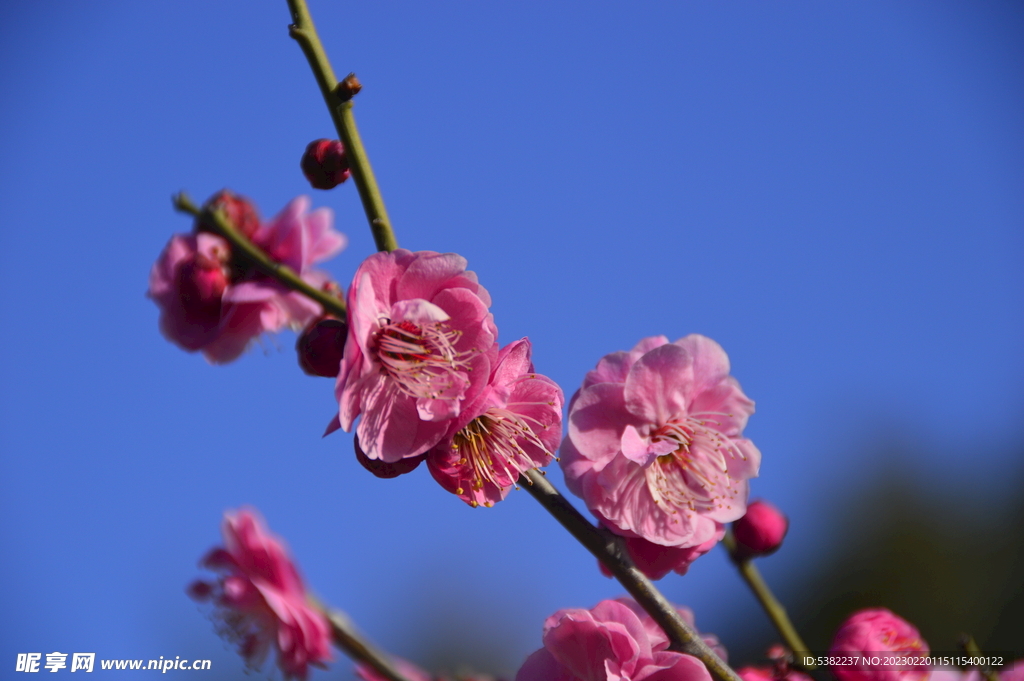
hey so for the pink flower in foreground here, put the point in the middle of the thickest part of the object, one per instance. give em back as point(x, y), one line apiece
point(210, 303)
point(421, 343)
point(513, 425)
point(878, 632)
point(656, 561)
point(655, 444)
point(261, 599)
point(614, 641)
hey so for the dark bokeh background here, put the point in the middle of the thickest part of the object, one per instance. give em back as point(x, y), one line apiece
point(832, 191)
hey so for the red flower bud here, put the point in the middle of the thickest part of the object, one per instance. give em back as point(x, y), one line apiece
point(325, 164)
point(321, 346)
point(383, 469)
point(761, 530)
point(238, 209)
point(201, 284)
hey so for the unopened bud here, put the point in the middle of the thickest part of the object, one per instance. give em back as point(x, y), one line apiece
point(321, 346)
point(325, 164)
point(240, 212)
point(201, 284)
point(383, 469)
point(348, 88)
point(761, 530)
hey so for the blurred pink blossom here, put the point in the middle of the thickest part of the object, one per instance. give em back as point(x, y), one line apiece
point(421, 344)
point(261, 599)
point(209, 302)
point(877, 632)
point(656, 561)
point(511, 426)
point(614, 641)
point(655, 444)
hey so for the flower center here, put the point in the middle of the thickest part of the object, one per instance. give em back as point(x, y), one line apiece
point(421, 359)
point(490, 445)
point(695, 476)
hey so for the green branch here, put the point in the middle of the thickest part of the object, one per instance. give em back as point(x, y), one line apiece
point(338, 98)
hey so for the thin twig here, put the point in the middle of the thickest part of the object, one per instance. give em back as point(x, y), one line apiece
point(351, 642)
point(970, 646)
point(776, 612)
point(339, 103)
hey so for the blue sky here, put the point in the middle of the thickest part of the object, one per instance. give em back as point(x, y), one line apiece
point(831, 191)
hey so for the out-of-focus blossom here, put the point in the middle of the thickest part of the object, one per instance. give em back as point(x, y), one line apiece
point(1011, 672)
point(421, 343)
point(239, 210)
point(656, 561)
point(878, 632)
point(211, 302)
point(761, 529)
point(325, 164)
point(615, 641)
point(655, 444)
point(513, 425)
point(261, 600)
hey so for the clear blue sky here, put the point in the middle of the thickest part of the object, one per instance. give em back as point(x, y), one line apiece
point(833, 191)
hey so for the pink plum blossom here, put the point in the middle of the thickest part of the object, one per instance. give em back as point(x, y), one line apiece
point(261, 599)
point(212, 303)
point(878, 632)
point(511, 426)
point(420, 345)
point(614, 641)
point(655, 444)
point(656, 561)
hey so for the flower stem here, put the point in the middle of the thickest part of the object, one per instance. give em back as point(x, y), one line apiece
point(607, 548)
point(339, 103)
point(776, 613)
point(970, 646)
point(252, 254)
point(351, 642)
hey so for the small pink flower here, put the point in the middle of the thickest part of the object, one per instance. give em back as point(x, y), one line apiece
point(513, 425)
point(656, 561)
point(421, 343)
point(261, 599)
point(655, 444)
point(209, 302)
point(761, 529)
point(615, 641)
point(878, 632)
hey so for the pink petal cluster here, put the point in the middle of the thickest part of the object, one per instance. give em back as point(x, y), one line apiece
point(261, 599)
point(209, 302)
point(878, 632)
point(421, 343)
point(513, 425)
point(423, 373)
point(614, 641)
point(656, 561)
point(655, 444)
